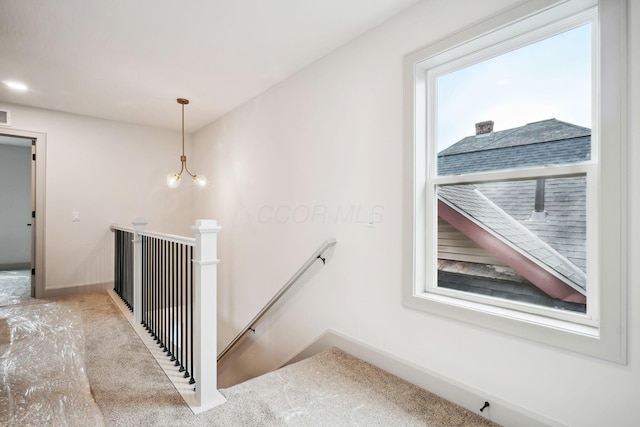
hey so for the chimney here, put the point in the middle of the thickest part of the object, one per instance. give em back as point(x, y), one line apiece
point(483, 128)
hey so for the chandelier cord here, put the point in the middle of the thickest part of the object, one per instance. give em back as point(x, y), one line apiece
point(183, 158)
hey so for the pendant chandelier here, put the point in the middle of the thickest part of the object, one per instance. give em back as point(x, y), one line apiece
point(173, 179)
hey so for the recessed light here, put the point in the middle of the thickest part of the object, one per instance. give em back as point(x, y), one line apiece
point(16, 85)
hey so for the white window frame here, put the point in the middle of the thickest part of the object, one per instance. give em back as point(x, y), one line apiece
point(601, 332)
point(588, 169)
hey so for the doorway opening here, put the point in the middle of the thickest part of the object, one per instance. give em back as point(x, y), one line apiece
point(22, 156)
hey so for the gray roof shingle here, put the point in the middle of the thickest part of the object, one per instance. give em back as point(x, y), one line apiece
point(557, 143)
point(471, 202)
point(504, 208)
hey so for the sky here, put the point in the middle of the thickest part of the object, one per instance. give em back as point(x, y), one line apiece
point(547, 79)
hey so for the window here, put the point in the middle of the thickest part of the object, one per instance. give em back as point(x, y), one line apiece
point(511, 170)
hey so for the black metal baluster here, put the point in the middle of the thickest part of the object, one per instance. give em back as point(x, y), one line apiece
point(182, 311)
point(165, 274)
point(147, 283)
point(154, 324)
point(127, 269)
point(146, 286)
point(167, 313)
point(165, 299)
point(156, 311)
point(192, 380)
point(123, 271)
point(160, 292)
point(130, 275)
point(172, 341)
point(116, 271)
point(180, 360)
point(176, 310)
point(150, 288)
point(143, 285)
point(187, 326)
point(152, 283)
point(116, 258)
point(119, 262)
point(169, 299)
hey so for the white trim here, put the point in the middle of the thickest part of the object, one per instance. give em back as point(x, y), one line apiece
point(510, 37)
point(78, 289)
point(189, 241)
point(40, 200)
point(206, 262)
point(549, 172)
point(115, 227)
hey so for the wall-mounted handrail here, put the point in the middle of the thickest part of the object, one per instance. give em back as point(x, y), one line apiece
point(317, 255)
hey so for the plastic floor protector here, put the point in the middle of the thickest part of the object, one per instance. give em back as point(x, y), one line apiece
point(15, 287)
point(43, 381)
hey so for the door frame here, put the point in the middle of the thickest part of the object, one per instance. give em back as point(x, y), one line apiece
point(38, 194)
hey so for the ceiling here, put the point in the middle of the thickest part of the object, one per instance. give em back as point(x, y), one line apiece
point(129, 60)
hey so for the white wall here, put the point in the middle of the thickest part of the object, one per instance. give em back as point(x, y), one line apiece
point(15, 206)
point(330, 139)
point(110, 172)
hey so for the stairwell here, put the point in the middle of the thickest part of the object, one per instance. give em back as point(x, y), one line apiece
point(128, 387)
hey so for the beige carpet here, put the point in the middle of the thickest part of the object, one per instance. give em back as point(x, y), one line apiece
point(330, 389)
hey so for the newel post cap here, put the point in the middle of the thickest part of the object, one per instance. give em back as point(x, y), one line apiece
point(139, 221)
point(206, 226)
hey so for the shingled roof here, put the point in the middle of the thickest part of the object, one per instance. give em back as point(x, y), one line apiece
point(470, 201)
point(546, 142)
point(557, 243)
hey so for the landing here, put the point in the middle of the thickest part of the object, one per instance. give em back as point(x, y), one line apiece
point(329, 389)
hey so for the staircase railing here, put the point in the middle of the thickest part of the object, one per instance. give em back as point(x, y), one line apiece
point(251, 326)
point(167, 281)
point(170, 284)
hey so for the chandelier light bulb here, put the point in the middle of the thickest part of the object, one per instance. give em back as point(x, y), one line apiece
point(200, 180)
point(173, 180)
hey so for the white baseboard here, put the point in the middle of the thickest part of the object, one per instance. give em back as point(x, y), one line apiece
point(76, 290)
point(500, 411)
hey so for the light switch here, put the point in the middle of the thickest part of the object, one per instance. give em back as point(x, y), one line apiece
point(75, 216)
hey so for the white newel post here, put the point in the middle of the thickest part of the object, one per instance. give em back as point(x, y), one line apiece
point(205, 313)
point(139, 224)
